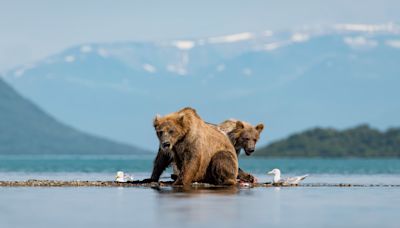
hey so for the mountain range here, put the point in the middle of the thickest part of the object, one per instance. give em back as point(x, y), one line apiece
point(26, 129)
point(290, 80)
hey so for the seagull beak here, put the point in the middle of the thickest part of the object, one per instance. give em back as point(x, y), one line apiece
point(270, 172)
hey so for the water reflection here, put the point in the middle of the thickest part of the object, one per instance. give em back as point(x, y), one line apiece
point(196, 191)
point(219, 205)
point(199, 206)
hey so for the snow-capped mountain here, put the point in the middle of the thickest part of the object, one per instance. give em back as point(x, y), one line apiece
point(290, 80)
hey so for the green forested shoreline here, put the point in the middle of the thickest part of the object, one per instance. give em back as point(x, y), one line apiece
point(360, 141)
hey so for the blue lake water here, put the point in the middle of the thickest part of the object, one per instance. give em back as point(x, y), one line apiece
point(230, 207)
point(143, 163)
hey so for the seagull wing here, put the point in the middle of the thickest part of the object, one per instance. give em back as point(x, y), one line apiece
point(295, 180)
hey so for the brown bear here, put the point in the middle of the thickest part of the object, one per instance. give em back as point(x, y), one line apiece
point(243, 136)
point(201, 152)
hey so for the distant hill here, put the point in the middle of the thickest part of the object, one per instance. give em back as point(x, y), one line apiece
point(26, 129)
point(361, 141)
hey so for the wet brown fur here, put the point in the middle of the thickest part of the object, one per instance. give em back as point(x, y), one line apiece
point(201, 152)
point(243, 136)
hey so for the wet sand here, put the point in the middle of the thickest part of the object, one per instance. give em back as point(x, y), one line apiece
point(138, 183)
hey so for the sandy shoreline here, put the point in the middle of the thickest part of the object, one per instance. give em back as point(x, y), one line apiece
point(57, 183)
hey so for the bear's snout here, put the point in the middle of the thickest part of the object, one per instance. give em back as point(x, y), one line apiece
point(249, 151)
point(166, 145)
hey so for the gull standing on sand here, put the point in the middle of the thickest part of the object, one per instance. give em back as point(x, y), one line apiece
point(285, 181)
point(122, 177)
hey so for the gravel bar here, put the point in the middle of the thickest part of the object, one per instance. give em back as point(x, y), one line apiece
point(57, 183)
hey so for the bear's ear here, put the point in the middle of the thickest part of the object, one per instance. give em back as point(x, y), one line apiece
point(260, 127)
point(181, 119)
point(239, 125)
point(156, 119)
point(189, 109)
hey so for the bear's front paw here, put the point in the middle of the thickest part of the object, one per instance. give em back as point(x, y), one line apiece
point(247, 177)
point(148, 180)
point(177, 182)
point(174, 177)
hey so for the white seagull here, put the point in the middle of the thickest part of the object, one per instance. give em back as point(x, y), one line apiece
point(285, 181)
point(122, 177)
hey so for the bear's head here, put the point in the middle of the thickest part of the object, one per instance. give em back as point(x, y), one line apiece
point(246, 136)
point(172, 127)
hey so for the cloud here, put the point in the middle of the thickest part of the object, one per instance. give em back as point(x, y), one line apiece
point(300, 37)
point(275, 45)
point(389, 27)
point(184, 44)
point(360, 42)
point(231, 38)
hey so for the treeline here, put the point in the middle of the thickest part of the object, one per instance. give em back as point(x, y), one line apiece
point(361, 141)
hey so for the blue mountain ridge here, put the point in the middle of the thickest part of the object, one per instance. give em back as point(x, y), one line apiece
point(26, 129)
point(290, 81)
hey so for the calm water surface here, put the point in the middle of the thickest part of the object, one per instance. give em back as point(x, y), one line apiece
point(140, 207)
point(228, 207)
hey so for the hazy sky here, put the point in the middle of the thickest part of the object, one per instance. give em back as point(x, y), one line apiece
point(30, 30)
